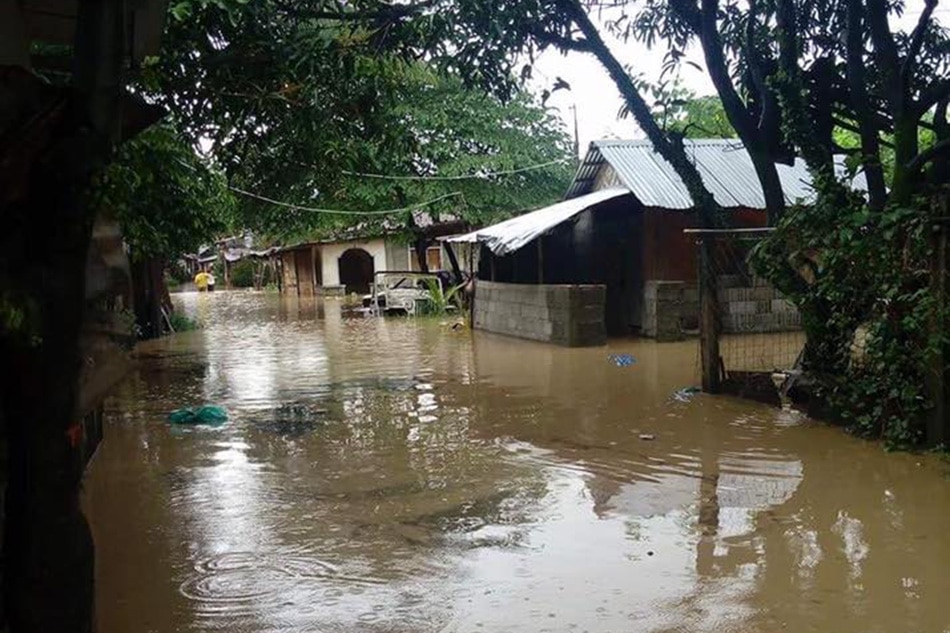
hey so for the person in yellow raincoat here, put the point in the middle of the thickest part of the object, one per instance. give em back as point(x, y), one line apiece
point(201, 281)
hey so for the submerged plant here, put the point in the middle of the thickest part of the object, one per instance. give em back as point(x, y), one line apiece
point(182, 322)
point(440, 301)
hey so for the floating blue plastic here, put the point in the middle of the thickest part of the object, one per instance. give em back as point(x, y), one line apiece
point(622, 360)
point(685, 394)
point(208, 415)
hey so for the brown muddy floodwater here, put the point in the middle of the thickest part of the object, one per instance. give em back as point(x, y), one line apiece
point(398, 475)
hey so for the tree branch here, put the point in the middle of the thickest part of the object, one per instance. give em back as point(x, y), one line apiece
point(673, 152)
point(870, 135)
point(929, 154)
point(718, 69)
point(916, 41)
point(935, 93)
point(886, 52)
point(383, 13)
point(940, 125)
point(787, 22)
point(737, 112)
point(561, 42)
point(770, 115)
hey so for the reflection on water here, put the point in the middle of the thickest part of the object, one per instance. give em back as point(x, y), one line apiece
point(398, 475)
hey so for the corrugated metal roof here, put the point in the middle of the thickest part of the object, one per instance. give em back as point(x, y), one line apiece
point(510, 235)
point(724, 165)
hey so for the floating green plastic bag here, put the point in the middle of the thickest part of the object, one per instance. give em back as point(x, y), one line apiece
point(207, 415)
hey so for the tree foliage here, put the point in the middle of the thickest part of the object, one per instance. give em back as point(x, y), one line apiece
point(296, 99)
point(695, 117)
point(167, 199)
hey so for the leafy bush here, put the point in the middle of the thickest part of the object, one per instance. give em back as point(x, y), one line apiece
point(867, 270)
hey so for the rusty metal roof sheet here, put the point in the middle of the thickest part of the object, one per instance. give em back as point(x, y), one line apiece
point(510, 235)
point(724, 165)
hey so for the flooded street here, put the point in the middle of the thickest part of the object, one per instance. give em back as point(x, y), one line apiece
point(398, 475)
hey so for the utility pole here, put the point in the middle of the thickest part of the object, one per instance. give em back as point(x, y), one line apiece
point(577, 141)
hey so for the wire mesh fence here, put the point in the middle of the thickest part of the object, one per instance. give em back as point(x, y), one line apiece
point(756, 330)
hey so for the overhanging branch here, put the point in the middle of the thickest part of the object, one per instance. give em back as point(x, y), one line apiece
point(929, 154)
point(916, 41)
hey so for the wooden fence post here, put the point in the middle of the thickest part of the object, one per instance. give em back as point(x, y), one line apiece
point(708, 319)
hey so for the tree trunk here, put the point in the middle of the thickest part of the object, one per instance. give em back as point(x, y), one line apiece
point(755, 140)
point(857, 82)
point(672, 151)
point(421, 246)
point(148, 291)
point(772, 191)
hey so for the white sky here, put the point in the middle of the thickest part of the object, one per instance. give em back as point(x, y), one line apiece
point(596, 97)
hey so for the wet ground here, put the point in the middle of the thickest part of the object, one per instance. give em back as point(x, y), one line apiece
point(398, 475)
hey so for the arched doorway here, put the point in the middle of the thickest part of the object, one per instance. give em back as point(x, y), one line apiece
point(356, 270)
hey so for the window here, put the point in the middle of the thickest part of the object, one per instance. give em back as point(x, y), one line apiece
point(433, 258)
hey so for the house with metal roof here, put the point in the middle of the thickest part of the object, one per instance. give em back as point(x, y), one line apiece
point(620, 229)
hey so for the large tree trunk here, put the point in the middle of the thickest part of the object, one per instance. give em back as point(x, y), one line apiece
point(149, 296)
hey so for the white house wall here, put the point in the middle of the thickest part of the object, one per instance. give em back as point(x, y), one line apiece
point(330, 257)
point(397, 255)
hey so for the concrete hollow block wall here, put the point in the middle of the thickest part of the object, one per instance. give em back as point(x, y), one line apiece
point(754, 306)
point(563, 314)
point(670, 308)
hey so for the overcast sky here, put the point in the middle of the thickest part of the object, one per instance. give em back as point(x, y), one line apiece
point(596, 97)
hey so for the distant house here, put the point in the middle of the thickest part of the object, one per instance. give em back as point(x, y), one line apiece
point(347, 262)
point(615, 245)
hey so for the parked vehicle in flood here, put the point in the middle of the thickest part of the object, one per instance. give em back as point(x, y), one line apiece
point(406, 292)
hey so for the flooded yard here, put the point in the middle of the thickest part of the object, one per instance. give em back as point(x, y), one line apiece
point(398, 475)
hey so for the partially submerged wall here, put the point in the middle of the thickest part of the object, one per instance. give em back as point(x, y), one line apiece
point(571, 315)
point(670, 309)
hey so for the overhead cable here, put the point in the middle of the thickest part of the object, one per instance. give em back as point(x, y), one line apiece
point(298, 207)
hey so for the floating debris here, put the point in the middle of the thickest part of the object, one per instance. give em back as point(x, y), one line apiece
point(207, 415)
point(647, 436)
point(685, 394)
point(621, 360)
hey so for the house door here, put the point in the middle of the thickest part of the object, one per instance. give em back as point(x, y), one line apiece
point(304, 264)
point(356, 270)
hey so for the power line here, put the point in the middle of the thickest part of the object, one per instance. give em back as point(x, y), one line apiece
point(482, 176)
point(297, 207)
